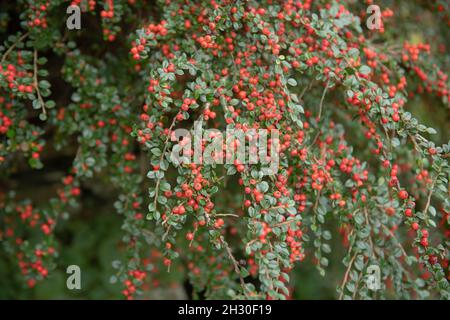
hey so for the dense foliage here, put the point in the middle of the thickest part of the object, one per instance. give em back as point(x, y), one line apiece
point(363, 172)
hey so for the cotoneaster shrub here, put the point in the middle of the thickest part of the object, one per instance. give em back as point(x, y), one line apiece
point(357, 173)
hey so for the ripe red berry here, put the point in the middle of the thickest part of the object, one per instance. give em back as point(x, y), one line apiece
point(424, 242)
point(403, 194)
point(395, 117)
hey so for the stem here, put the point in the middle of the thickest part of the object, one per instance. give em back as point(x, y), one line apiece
point(366, 214)
point(283, 223)
point(321, 100)
point(162, 157)
point(226, 215)
point(430, 194)
point(7, 52)
point(235, 263)
point(36, 83)
point(398, 242)
point(344, 281)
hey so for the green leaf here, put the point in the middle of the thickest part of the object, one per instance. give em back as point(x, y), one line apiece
point(44, 84)
point(432, 211)
point(431, 131)
point(364, 70)
point(292, 82)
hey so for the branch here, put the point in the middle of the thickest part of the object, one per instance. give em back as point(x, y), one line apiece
point(235, 263)
point(321, 100)
point(283, 223)
point(226, 215)
point(344, 281)
point(36, 83)
point(162, 157)
point(366, 214)
point(431, 193)
point(398, 242)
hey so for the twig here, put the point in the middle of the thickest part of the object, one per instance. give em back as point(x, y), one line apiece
point(344, 281)
point(356, 286)
point(321, 100)
point(162, 157)
point(36, 84)
point(7, 52)
point(305, 89)
point(416, 146)
point(283, 223)
point(226, 215)
point(195, 231)
point(366, 214)
point(166, 233)
point(250, 243)
point(398, 242)
point(235, 263)
point(319, 115)
point(431, 193)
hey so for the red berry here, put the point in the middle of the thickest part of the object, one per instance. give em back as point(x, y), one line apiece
point(403, 194)
point(424, 242)
point(395, 117)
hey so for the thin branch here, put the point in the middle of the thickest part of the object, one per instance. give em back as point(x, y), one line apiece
point(398, 242)
point(357, 285)
point(344, 281)
point(366, 214)
point(226, 215)
point(162, 157)
point(431, 193)
point(7, 52)
point(235, 263)
point(321, 100)
point(283, 223)
point(36, 83)
point(305, 89)
point(166, 233)
point(319, 115)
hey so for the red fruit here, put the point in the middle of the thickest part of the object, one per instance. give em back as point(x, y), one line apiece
point(415, 226)
point(408, 212)
point(395, 117)
point(390, 211)
point(403, 195)
point(31, 283)
point(424, 242)
point(433, 259)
